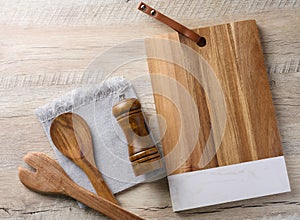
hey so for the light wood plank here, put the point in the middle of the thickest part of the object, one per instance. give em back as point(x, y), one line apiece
point(93, 12)
point(47, 45)
point(34, 50)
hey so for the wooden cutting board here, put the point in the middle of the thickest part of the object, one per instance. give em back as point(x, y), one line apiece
point(233, 53)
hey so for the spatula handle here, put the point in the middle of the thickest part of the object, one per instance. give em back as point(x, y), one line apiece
point(99, 204)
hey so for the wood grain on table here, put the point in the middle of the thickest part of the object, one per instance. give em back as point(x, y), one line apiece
point(47, 45)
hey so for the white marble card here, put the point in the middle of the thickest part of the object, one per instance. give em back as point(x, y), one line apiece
point(228, 183)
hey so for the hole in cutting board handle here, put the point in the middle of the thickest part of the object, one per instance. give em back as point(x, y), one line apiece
point(202, 42)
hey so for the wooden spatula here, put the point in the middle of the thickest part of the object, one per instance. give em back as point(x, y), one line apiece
point(71, 135)
point(50, 178)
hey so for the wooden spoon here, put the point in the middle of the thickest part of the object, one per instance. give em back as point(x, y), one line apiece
point(50, 178)
point(71, 135)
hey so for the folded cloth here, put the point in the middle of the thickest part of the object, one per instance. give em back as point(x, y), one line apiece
point(94, 105)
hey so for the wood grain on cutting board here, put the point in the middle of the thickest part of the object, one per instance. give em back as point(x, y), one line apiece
point(234, 54)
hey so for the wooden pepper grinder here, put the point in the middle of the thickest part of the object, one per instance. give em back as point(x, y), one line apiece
point(143, 153)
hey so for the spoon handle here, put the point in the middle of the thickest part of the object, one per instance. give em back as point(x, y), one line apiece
point(97, 181)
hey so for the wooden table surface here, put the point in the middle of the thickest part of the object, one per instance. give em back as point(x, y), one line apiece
point(47, 45)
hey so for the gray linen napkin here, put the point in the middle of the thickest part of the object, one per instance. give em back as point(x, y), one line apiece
point(94, 104)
